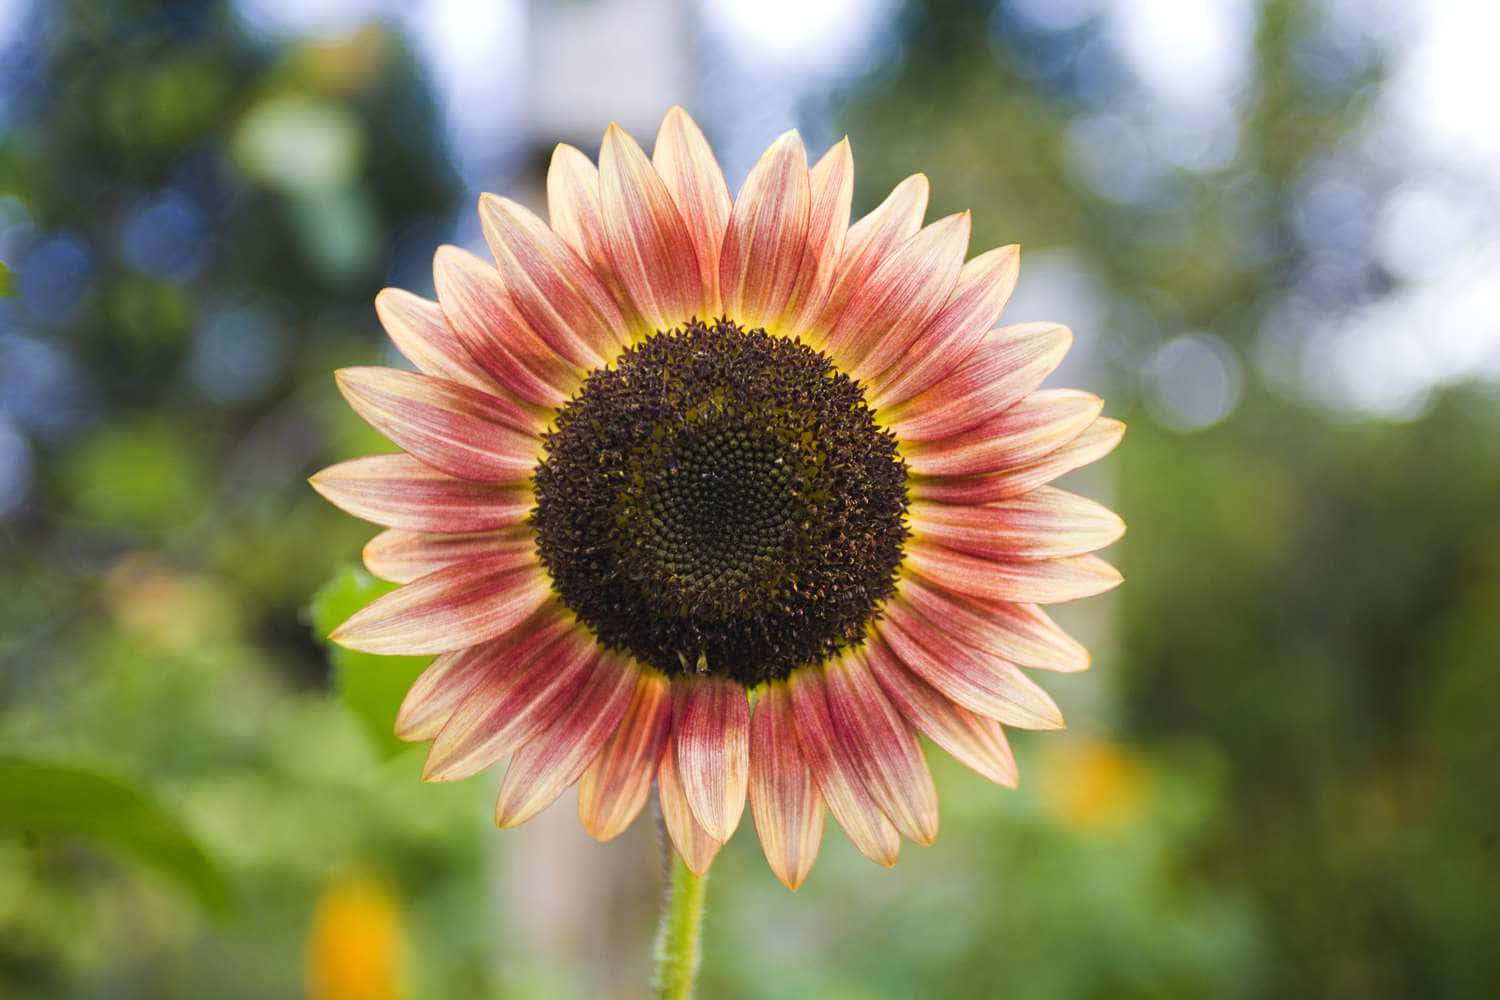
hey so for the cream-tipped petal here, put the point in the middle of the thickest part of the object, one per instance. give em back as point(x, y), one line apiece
point(447, 681)
point(616, 785)
point(974, 740)
point(1046, 523)
point(402, 556)
point(871, 240)
point(831, 183)
point(1020, 633)
point(686, 164)
point(767, 236)
point(883, 748)
point(983, 288)
point(648, 241)
point(1096, 441)
point(1034, 581)
point(421, 333)
point(1005, 368)
point(711, 734)
point(455, 429)
point(553, 759)
point(397, 491)
point(1041, 423)
point(457, 606)
point(838, 778)
point(784, 796)
point(693, 843)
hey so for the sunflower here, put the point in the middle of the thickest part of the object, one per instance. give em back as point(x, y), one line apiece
point(724, 493)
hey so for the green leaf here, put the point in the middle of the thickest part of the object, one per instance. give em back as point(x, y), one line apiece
point(371, 686)
point(49, 799)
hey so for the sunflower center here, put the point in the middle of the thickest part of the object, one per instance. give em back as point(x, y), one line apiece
point(721, 500)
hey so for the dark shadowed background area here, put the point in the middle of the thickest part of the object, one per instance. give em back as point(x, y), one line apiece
point(1275, 230)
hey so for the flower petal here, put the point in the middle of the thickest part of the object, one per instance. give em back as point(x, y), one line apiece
point(554, 290)
point(1096, 441)
point(402, 556)
point(529, 685)
point(976, 680)
point(447, 681)
point(872, 239)
point(1041, 423)
point(831, 182)
point(838, 778)
point(784, 796)
point(693, 843)
point(421, 333)
point(455, 429)
point(650, 244)
point(983, 288)
point(398, 491)
point(767, 235)
point(615, 786)
point(553, 759)
point(1046, 523)
point(883, 748)
point(1003, 370)
point(973, 740)
point(901, 295)
point(1032, 581)
point(686, 165)
point(1020, 633)
point(457, 606)
point(711, 734)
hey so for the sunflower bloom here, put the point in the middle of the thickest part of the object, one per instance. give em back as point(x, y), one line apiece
point(726, 494)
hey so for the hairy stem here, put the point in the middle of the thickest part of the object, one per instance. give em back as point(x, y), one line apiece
point(678, 934)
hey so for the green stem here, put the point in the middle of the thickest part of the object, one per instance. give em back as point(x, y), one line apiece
point(678, 934)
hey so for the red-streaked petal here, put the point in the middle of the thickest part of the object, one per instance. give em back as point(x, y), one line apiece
point(1035, 581)
point(447, 681)
point(1096, 441)
point(908, 288)
point(1046, 523)
point(767, 235)
point(693, 843)
point(650, 244)
point(872, 239)
point(397, 491)
point(573, 209)
point(711, 734)
point(402, 556)
point(1004, 369)
point(1020, 633)
point(843, 790)
point(831, 182)
point(983, 288)
point(686, 164)
point(528, 686)
point(615, 786)
point(784, 796)
point(553, 759)
point(457, 606)
point(455, 429)
point(481, 313)
point(883, 748)
point(972, 678)
point(1041, 423)
point(554, 290)
point(421, 333)
point(973, 740)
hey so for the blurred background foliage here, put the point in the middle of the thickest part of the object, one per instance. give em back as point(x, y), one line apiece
point(1279, 778)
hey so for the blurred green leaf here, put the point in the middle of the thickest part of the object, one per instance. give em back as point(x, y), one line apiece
point(46, 798)
point(7, 287)
point(371, 686)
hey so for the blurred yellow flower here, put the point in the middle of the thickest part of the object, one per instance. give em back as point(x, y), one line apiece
point(1096, 786)
point(355, 946)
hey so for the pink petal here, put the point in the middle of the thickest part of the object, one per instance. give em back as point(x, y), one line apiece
point(1041, 423)
point(693, 843)
point(398, 491)
point(767, 236)
point(1096, 441)
point(455, 429)
point(838, 778)
point(457, 606)
point(553, 759)
point(982, 683)
point(686, 164)
point(402, 556)
point(973, 740)
point(784, 796)
point(650, 244)
point(831, 184)
point(421, 333)
point(614, 788)
point(984, 286)
point(1046, 523)
point(883, 748)
point(711, 733)
point(1002, 371)
point(1020, 633)
point(872, 239)
point(1039, 581)
point(431, 699)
